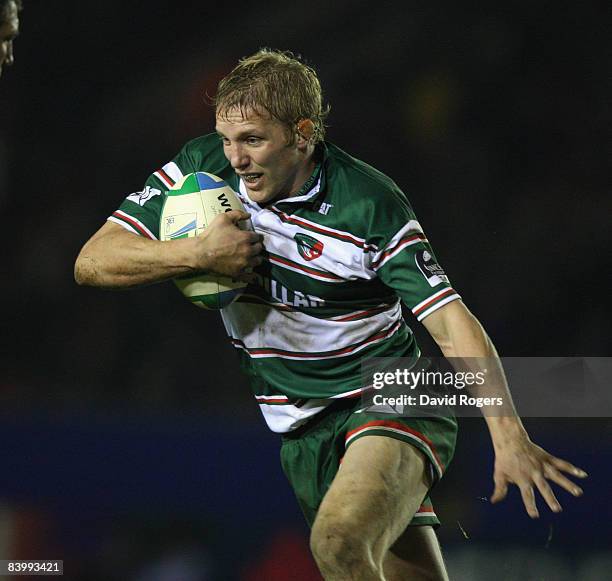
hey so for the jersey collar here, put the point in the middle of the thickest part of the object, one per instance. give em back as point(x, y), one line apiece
point(314, 187)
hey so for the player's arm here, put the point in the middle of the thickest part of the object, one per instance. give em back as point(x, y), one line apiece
point(115, 258)
point(517, 459)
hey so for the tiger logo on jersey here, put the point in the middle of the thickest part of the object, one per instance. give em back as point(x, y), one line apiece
point(308, 247)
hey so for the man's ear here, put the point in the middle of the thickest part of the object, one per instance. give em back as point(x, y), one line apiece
point(305, 129)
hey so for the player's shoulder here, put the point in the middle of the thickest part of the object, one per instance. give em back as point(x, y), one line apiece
point(370, 199)
point(201, 154)
point(204, 153)
point(359, 182)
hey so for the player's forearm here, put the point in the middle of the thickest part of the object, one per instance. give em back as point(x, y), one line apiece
point(116, 259)
point(503, 422)
point(123, 260)
point(461, 337)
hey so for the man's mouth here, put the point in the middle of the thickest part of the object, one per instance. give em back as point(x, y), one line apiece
point(250, 178)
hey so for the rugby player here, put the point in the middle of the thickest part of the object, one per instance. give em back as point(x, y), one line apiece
point(9, 29)
point(336, 246)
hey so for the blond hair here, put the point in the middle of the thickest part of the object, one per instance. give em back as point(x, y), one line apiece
point(277, 83)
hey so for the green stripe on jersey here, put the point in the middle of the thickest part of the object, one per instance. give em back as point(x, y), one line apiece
point(312, 379)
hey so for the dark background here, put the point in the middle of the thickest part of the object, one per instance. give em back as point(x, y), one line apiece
point(494, 121)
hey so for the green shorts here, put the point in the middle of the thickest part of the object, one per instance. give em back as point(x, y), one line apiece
point(311, 455)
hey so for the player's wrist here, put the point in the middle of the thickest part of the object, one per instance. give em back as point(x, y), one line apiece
point(183, 255)
point(506, 431)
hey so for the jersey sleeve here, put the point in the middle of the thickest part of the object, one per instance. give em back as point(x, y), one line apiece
point(403, 258)
point(140, 211)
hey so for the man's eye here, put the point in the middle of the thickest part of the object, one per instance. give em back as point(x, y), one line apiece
point(253, 140)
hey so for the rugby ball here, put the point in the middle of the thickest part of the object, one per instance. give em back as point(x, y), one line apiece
point(189, 207)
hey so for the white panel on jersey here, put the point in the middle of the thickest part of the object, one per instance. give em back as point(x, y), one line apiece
point(261, 327)
point(173, 171)
point(284, 418)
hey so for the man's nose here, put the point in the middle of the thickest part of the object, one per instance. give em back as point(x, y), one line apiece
point(238, 157)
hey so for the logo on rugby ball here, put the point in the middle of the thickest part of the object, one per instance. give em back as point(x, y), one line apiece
point(180, 225)
point(308, 247)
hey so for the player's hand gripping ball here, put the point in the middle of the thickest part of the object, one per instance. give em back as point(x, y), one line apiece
point(189, 207)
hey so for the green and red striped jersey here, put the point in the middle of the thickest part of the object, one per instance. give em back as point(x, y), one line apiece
point(340, 255)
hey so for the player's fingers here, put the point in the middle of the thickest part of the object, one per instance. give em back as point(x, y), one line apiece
point(553, 474)
point(547, 493)
point(567, 467)
point(253, 237)
point(231, 216)
point(500, 491)
point(255, 249)
point(529, 501)
point(255, 261)
point(243, 215)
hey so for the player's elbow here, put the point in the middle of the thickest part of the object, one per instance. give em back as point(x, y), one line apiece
point(80, 272)
point(85, 271)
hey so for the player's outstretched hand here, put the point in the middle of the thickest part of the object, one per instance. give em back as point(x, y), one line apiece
point(224, 248)
point(527, 465)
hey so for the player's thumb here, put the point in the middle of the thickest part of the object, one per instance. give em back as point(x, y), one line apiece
point(500, 491)
point(237, 216)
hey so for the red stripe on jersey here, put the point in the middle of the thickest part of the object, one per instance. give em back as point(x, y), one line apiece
point(402, 428)
point(312, 271)
point(133, 223)
point(362, 314)
point(272, 400)
point(434, 300)
point(319, 354)
point(165, 177)
point(403, 242)
point(321, 230)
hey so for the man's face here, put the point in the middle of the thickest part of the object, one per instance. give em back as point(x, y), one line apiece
point(9, 29)
point(257, 146)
